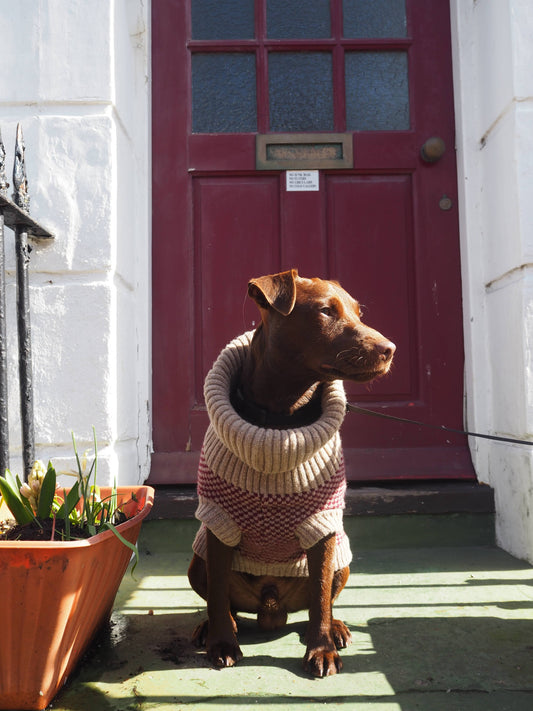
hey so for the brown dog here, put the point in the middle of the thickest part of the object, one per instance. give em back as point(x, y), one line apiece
point(271, 477)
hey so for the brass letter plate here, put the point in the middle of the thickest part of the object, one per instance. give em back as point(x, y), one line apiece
point(297, 151)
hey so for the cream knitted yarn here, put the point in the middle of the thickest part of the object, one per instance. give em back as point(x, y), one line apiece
point(270, 465)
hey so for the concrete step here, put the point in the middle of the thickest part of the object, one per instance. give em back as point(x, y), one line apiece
point(434, 629)
point(388, 516)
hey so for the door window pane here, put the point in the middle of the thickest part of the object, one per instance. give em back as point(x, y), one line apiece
point(377, 91)
point(374, 18)
point(222, 19)
point(300, 91)
point(298, 19)
point(223, 93)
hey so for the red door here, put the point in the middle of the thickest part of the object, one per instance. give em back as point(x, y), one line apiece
point(242, 92)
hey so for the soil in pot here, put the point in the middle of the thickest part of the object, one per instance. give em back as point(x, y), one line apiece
point(46, 530)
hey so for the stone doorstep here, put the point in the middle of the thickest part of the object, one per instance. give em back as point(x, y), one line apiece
point(445, 497)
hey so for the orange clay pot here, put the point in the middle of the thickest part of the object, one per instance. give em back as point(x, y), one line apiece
point(53, 598)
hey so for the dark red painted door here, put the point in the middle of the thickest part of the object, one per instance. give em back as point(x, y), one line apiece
point(376, 72)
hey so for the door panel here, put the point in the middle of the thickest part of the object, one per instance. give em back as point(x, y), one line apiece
point(371, 252)
point(226, 235)
point(381, 70)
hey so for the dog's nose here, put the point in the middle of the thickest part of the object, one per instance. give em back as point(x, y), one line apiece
point(386, 349)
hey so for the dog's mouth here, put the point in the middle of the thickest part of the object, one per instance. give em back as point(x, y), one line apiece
point(358, 376)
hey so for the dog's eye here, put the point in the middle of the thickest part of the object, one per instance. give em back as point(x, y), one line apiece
point(326, 311)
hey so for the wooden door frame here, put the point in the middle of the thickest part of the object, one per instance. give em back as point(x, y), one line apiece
point(174, 253)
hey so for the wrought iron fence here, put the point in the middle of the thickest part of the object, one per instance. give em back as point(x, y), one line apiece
point(14, 214)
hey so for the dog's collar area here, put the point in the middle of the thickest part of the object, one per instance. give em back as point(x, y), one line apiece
point(261, 417)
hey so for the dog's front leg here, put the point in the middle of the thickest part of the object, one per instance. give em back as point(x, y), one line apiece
point(222, 646)
point(321, 657)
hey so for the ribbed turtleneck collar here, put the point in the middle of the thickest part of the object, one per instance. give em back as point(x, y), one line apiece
point(268, 451)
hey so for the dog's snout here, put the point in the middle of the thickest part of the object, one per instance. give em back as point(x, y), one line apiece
point(386, 350)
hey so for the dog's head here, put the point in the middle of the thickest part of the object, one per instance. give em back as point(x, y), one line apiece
point(318, 324)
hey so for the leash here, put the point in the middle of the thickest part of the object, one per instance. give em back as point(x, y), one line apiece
point(373, 413)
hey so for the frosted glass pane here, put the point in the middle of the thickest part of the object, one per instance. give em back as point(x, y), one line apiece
point(298, 19)
point(222, 19)
point(223, 93)
point(377, 91)
point(374, 18)
point(300, 91)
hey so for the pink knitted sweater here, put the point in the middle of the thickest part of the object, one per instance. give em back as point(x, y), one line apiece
point(270, 494)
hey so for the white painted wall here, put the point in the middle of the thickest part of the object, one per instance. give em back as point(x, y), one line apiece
point(493, 56)
point(76, 75)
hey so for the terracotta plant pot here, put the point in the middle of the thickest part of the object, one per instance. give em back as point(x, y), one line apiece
point(53, 598)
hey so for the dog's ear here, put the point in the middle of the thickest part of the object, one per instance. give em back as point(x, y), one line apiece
point(276, 290)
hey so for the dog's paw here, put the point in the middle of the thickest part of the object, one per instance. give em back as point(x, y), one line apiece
point(321, 662)
point(341, 634)
point(199, 636)
point(224, 653)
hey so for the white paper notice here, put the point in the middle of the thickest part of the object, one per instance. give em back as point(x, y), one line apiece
point(302, 180)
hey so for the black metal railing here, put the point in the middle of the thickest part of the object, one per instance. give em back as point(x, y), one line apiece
point(14, 214)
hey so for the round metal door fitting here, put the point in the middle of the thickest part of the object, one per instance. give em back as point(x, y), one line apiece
point(433, 149)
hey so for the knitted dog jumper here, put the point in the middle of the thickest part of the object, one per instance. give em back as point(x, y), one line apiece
point(269, 494)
